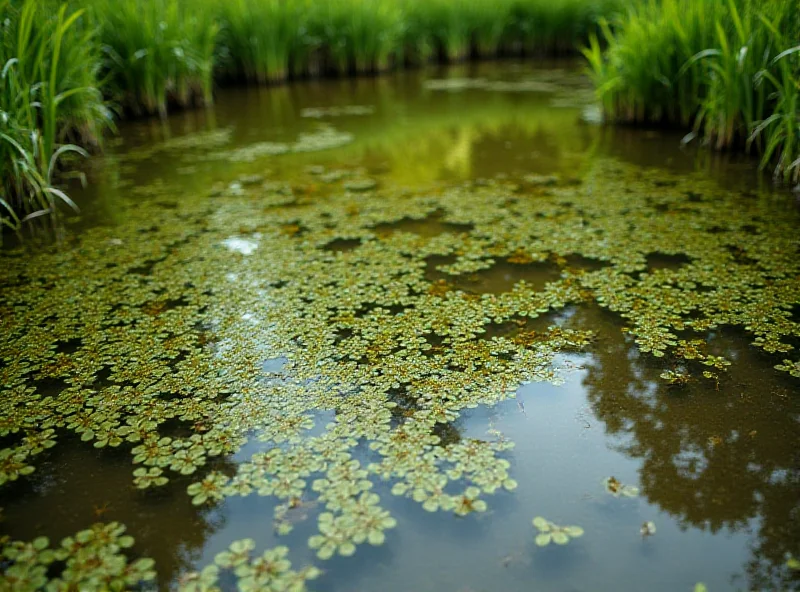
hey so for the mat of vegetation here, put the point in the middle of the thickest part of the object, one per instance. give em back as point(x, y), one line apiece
point(151, 339)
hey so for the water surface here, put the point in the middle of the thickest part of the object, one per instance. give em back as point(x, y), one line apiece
point(448, 279)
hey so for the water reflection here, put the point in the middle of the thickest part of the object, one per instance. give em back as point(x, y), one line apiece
point(77, 485)
point(713, 458)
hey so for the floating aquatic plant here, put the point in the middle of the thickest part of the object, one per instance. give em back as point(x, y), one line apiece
point(676, 377)
point(212, 488)
point(150, 477)
point(793, 368)
point(550, 532)
point(269, 571)
point(203, 581)
point(617, 489)
point(92, 559)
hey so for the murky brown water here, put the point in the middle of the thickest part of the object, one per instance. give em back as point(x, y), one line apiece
point(716, 461)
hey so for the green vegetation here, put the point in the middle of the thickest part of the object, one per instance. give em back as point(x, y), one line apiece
point(727, 67)
point(158, 51)
point(49, 97)
point(730, 68)
point(59, 59)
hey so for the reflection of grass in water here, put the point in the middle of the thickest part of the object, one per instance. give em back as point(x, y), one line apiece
point(437, 140)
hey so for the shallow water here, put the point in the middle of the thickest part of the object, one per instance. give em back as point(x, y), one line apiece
point(454, 258)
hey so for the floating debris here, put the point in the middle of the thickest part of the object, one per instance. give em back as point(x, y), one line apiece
point(617, 489)
point(647, 529)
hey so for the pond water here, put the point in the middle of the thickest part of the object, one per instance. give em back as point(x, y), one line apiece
point(378, 326)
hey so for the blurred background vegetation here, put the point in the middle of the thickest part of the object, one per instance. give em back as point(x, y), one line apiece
point(727, 69)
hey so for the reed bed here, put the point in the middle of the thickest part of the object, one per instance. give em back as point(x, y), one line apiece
point(158, 52)
point(730, 69)
point(50, 104)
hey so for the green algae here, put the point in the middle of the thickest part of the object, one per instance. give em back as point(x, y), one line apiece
point(151, 337)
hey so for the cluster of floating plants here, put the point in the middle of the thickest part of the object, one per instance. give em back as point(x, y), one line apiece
point(351, 110)
point(553, 533)
point(325, 138)
point(270, 571)
point(150, 337)
point(93, 559)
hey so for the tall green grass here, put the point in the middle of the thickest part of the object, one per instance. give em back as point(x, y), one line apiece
point(49, 97)
point(272, 40)
point(728, 68)
point(262, 37)
point(158, 51)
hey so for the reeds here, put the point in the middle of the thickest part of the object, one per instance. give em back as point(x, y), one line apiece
point(49, 96)
point(728, 68)
point(158, 51)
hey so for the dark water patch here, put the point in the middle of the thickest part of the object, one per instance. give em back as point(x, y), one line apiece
point(343, 245)
point(428, 227)
point(432, 263)
point(49, 386)
point(145, 268)
point(448, 433)
point(671, 262)
point(502, 276)
point(694, 197)
point(740, 255)
point(585, 263)
point(69, 346)
point(102, 377)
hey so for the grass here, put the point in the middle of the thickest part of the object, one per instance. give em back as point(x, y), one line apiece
point(157, 51)
point(49, 97)
point(730, 69)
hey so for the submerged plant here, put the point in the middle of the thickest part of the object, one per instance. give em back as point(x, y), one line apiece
point(550, 532)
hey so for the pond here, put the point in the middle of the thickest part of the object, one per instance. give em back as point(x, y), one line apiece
point(433, 331)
